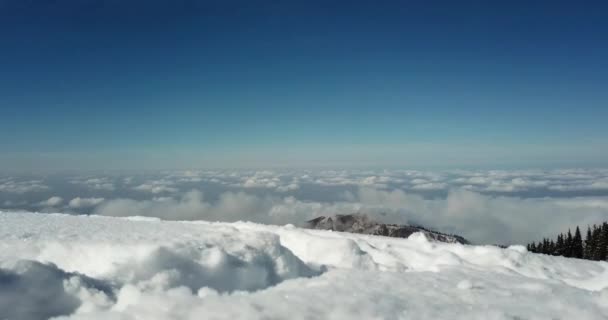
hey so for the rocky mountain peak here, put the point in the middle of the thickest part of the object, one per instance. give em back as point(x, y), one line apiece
point(361, 223)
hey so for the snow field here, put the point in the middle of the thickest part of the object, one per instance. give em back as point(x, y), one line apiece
point(90, 267)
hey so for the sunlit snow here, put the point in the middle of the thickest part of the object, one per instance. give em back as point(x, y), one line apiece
point(91, 267)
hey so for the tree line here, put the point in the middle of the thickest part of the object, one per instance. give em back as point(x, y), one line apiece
point(593, 247)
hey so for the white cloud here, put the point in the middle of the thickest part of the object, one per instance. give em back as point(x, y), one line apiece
point(522, 181)
point(480, 205)
point(20, 187)
point(51, 202)
point(260, 179)
point(483, 218)
point(154, 188)
point(267, 180)
point(430, 186)
point(290, 187)
point(419, 181)
point(254, 182)
point(157, 186)
point(589, 185)
point(480, 218)
point(78, 202)
point(231, 206)
point(97, 183)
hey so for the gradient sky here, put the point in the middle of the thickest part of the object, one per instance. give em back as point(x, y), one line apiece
point(92, 84)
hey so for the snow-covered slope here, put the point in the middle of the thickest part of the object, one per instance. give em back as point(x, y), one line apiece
point(82, 267)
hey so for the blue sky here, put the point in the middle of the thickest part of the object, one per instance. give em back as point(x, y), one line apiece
point(171, 84)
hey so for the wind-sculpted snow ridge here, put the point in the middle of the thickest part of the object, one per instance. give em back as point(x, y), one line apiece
point(90, 267)
point(361, 223)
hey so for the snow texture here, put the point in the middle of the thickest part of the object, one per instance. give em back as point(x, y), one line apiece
point(91, 267)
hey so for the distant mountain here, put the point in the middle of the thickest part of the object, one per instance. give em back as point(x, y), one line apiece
point(360, 223)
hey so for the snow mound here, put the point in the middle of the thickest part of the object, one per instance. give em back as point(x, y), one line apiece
point(89, 267)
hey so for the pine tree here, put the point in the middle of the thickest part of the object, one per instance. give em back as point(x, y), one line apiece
point(595, 239)
point(568, 247)
point(559, 245)
point(602, 243)
point(596, 236)
point(577, 244)
point(588, 252)
point(594, 247)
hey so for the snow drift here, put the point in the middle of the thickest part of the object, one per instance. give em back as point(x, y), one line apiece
point(80, 267)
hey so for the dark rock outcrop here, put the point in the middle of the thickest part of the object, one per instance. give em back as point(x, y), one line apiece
point(360, 223)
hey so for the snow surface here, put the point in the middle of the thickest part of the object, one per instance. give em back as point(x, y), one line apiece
point(91, 267)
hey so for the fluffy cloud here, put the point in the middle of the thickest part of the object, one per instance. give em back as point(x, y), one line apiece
point(267, 180)
point(586, 185)
point(496, 206)
point(192, 206)
point(98, 183)
point(260, 183)
point(487, 219)
point(522, 181)
point(430, 186)
point(51, 202)
point(260, 179)
point(480, 218)
point(20, 187)
point(155, 188)
point(547, 182)
point(290, 187)
point(78, 202)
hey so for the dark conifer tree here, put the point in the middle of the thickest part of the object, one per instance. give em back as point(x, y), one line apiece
point(577, 244)
point(602, 244)
point(543, 246)
point(568, 247)
point(596, 236)
point(594, 247)
point(559, 245)
point(588, 252)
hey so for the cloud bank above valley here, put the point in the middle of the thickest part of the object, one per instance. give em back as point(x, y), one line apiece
point(495, 206)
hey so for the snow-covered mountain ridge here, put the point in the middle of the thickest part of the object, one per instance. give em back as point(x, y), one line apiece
point(361, 223)
point(91, 267)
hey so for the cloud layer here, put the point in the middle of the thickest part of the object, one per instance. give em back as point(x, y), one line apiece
point(495, 206)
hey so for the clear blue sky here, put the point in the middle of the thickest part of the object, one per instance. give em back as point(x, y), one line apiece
point(168, 84)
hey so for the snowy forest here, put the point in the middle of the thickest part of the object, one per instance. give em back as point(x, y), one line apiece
point(594, 247)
